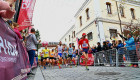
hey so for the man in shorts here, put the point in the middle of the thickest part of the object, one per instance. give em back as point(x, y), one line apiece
point(59, 50)
point(46, 53)
point(70, 51)
point(84, 43)
point(52, 58)
point(65, 54)
point(74, 56)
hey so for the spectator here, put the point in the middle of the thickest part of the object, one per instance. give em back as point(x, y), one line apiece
point(108, 44)
point(112, 53)
point(105, 47)
point(99, 54)
point(15, 28)
point(131, 47)
point(90, 51)
point(106, 54)
point(113, 38)
point(121, 50)
point(94, 50)
point(10, 23)
point(31, 43)
point(113, 45)
point(6, 10)
point(99, 48)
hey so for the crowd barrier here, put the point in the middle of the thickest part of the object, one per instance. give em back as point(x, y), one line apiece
point(118, 57)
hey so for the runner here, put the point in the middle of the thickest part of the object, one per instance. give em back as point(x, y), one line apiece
point(84, 43)
point(42, 56)
point(74, 56)
point(52, 58)
point(65, 54)
point(39, 59)
point(70, 51)
point(46, 53)
point(59, 50)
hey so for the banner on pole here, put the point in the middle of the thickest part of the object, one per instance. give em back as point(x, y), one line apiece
point(26, 14)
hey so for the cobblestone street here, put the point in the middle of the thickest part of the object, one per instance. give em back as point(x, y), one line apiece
point(95, 73)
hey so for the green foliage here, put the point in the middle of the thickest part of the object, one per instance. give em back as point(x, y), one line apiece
point(37, 34)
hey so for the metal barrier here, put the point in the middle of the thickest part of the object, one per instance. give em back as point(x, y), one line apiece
point(118, 57)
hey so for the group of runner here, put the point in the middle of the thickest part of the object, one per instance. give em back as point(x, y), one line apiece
point(64, 55)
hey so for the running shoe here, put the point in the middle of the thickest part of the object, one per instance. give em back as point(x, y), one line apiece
point(81, 60)
point(135, 66)
point(60, 67)
point(131, 65)
point(87, 68)
point(66, 65)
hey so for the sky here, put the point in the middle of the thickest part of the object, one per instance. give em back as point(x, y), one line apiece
point(53, 18)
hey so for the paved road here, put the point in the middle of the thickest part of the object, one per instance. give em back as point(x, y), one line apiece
point(95, 73)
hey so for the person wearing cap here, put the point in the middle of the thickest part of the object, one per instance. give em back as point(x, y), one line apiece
point(84, 43)
point(131, 47)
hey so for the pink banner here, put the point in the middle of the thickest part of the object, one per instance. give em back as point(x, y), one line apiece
point(90, 61)
point(26, 14)
point(14, 62)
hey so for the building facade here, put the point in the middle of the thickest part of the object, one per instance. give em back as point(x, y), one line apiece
point(102, 19)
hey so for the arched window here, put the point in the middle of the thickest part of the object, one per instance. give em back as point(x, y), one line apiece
point(122, 10)
point(132, 13)
point(80, 20)
point(108, 8)
point(87, 13)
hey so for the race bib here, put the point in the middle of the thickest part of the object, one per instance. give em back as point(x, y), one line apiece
point(60, 50)
point(46, 52)
point(84, 45)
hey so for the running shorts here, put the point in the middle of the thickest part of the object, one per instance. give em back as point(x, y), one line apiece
point(73, 55)
point(46, 57)
point(85, 50)
point(53, 58)
point(70, 56)
point(60, 54)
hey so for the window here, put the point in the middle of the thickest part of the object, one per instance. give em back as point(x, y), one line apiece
point(87, 13)
point(80, 20)
point(108, 8)
point(89, 36)
point(74, 34)
point(122, 11)
point(113, 32)
point(132, 13)
point(69, 37)
point(65, 40)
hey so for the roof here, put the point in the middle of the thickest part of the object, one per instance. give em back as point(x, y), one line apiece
point(67, 32)
point(81, 8)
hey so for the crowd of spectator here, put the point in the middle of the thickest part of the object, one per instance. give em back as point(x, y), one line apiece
point(125, 48)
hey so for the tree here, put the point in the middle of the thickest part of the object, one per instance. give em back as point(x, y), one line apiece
point(133, 28)
point(37, 34)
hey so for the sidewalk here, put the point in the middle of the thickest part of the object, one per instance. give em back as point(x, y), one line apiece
point(38, 75)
